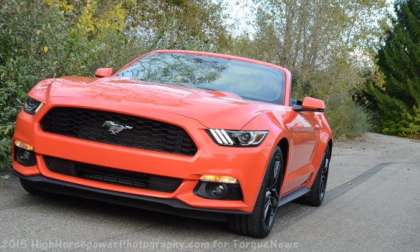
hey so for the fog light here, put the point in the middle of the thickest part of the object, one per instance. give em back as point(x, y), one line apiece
point(25, 157)
point(220, 191)
point(216, 190)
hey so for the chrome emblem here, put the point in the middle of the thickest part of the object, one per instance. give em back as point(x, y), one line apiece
point(115, 128)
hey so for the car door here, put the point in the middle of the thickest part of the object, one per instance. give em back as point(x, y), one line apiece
point(304, 128)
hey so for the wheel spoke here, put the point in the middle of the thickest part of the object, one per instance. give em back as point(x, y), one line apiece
point(269, 211)
point(324, 176)
point(266, 211)
point(276, 174)
point(272, 194)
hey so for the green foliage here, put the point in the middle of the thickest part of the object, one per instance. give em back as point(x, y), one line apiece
point(347, 118)
point(397, 100)
point(317, 41)
point(336, 85)
point(26, 30)
point(407, 125)
point(48, 38)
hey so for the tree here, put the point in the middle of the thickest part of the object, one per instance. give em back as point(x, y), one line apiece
point(318, 40)
point(398, 99)
point(309, 35)
point(47, 38)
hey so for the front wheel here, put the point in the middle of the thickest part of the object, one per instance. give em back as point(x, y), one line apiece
point(316, 196)
point(260, 222)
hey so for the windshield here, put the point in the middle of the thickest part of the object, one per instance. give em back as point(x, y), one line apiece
point(249, 81)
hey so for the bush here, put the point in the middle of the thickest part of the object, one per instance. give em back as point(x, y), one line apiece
point(336, 85)
point(38, 42)
point(406, 125)
point(346, 118)
point(27, 29)
point(48, 38)
point(397, 99)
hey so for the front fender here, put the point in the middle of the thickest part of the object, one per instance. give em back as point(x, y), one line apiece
point(277, 132)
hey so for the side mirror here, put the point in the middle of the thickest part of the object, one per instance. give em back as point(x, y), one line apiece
point(103, 72)
point(310, 104)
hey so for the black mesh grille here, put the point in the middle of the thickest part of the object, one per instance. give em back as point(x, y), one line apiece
point(118, 129)
point(111, 175)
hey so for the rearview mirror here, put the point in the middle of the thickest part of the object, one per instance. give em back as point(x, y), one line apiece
point(103, 72)
point(310, 104)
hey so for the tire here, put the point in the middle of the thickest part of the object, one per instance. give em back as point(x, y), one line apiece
point(260, 222)
point(29, 188)
point(316, 196)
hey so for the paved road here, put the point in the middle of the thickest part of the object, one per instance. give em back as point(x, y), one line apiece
point(373, 203)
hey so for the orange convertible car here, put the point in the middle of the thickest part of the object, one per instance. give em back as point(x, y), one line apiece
point(196, 134)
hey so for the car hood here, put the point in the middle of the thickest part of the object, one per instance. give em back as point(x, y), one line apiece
point(212, 109)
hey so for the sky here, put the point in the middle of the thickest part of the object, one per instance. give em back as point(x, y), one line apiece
point(242, 13)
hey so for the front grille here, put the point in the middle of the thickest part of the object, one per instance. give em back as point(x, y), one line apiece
point(111, 175)
point(118, 129)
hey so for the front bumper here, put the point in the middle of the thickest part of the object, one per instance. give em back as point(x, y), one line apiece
point(167, 206)
point(245, 164)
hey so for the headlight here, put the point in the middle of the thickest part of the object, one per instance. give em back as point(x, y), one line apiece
point(31, 106)
point(238, 137)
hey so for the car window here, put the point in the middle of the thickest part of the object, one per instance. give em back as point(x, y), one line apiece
point(250, 81)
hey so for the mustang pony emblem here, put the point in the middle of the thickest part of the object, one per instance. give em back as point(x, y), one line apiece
point(115, 128)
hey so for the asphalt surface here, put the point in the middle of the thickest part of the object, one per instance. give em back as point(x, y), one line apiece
point(373, 204)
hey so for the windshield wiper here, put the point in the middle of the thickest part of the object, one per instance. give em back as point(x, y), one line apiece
point(204, 86)
point(207, 88)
